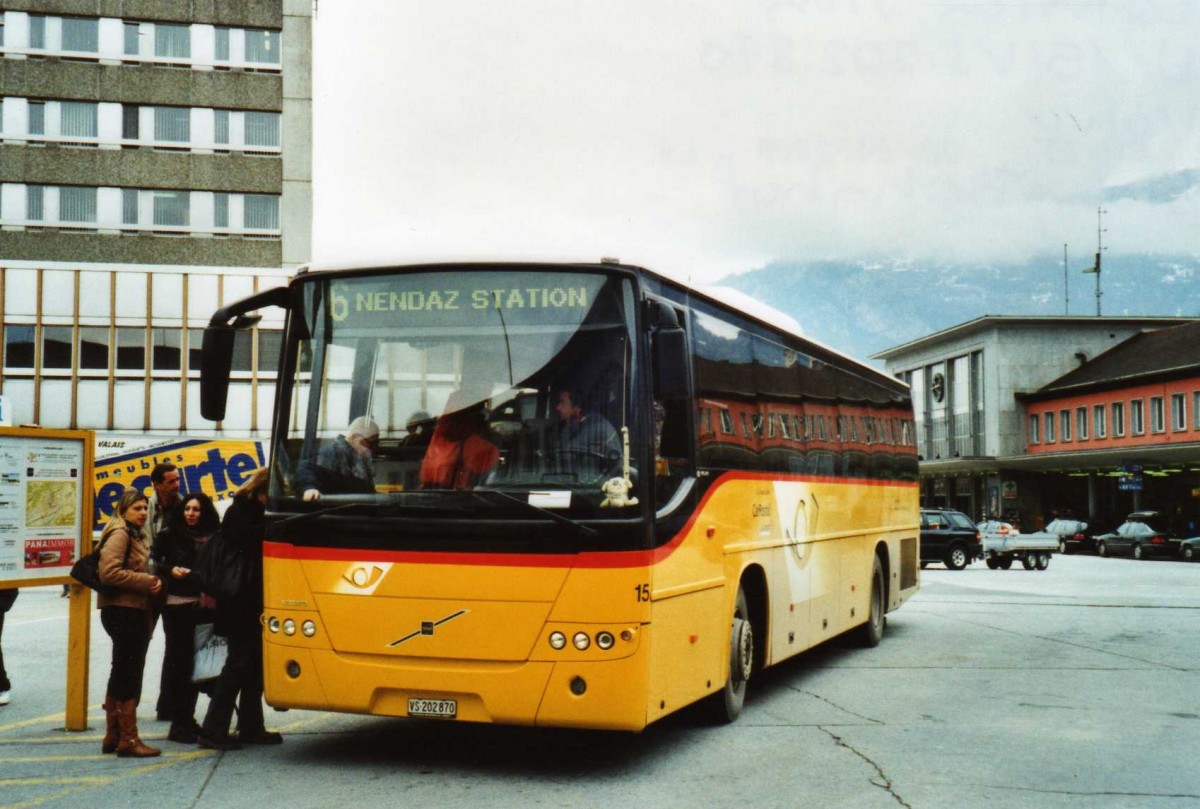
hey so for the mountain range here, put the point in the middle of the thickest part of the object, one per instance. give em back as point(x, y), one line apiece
point(862, 306)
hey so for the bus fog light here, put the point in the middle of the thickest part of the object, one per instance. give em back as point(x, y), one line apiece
point(293, 669)
point(626, 635)
point(273, 624)
point(605, 640)
point(289, 627)
point(582, 641)
point(578, 686)
point(557, 640)
point(308, 628)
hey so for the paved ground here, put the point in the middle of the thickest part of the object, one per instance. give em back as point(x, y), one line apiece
point(1073, 687)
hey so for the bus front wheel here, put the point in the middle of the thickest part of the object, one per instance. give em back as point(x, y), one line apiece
point(727, 704)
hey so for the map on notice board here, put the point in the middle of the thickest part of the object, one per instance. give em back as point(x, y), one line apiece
point(41, 505)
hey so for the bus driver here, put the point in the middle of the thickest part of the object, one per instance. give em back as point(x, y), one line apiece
point(343, 466)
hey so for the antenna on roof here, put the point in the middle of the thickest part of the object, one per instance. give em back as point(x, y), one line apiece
point(1100, 248)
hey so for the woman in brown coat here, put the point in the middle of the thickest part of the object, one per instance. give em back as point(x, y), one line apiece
point(125, 614)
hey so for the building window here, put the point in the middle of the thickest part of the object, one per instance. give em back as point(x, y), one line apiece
point(1064, 420)
point(129, 206)
point(129, 121)
point(171, 208)
point(1137, 416)
point(37, 31)
point(131, 349)
point(1118, 419)
point(165, 349)
point(78, 119)
point(80, 34)
point(93, 348)
point(1158, 420)
point(262, 129)
point(1081, 425)
point(195, 344)
point(262, 46)
point(1178, 412)
point(18, 346)
point(221, 48)
point(76, 204)
point(173, 124)
point(221, 126)
point(1034, 423)
point(56, 347)
point(221, 210)
point(1196, 410)
point(37, 117)
point(172, 41)
point(1049, 420)
point(132, 39)
point(1098, 421)
point(35, 196)
point(261, 212)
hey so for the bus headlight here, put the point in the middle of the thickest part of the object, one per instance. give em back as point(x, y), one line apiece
point(557, 640)
point(582, 641)
point(289, 626)
point(308, 628)
point(273, 624)
point(605, 640)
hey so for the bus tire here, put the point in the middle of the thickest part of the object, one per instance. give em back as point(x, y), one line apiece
point(871, 633)
point(727, 703)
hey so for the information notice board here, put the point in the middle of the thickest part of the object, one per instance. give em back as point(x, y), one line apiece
point(45, 480)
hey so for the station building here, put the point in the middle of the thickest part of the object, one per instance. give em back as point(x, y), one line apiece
point(971, 386)
point(1127, 426)
point(155, 163)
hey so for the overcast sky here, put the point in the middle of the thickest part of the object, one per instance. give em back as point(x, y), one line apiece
point(702, 137)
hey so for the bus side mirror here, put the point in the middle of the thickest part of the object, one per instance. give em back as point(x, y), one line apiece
point(215, 364)
point(669, 364)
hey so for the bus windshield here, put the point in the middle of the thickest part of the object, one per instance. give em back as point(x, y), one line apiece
point(411, 389)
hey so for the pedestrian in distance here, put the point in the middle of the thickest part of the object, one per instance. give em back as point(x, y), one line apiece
point(7, 597)
point(189, 526)
point(164, 478)
point(125, 606)
point(241, 680)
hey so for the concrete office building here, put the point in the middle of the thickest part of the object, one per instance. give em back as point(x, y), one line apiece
point(969, 384)
point(155, 163)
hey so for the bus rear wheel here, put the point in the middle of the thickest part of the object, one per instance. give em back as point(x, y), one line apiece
point(727, 704)
point(871, 633)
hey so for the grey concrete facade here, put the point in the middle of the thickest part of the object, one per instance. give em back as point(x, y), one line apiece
point(146, 278)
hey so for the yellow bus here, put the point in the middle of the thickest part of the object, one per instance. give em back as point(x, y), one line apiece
point(578, 495)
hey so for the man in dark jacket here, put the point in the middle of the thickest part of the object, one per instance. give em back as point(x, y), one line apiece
point(342, 466)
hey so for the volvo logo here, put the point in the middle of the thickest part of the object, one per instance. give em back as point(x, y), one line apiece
point(427, 628)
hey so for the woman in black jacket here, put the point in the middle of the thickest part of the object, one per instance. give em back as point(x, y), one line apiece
point(245, 527)
point(189, 525)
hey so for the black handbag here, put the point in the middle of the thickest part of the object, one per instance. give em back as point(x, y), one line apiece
point(87, 570)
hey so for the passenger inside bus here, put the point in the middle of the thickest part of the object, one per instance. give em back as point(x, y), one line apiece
point(459, 455)
point(343, 466)
point(586, 443)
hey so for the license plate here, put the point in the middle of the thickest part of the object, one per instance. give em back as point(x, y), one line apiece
point(433, 708)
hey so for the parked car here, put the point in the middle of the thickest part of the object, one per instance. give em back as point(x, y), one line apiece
point(1189, 549)
point(1140, 537)
point(949, 537)
point(1003, 544)
point(1074, 536)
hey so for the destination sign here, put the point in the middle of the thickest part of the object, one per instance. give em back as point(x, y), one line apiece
point(466, 298)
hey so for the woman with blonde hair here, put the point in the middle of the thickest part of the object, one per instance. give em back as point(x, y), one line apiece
point(244, 526)
point(125, 614)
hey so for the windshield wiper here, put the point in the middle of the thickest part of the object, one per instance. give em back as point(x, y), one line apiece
point(590, 533)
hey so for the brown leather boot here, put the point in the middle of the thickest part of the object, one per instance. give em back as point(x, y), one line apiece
point(112, 734)
point(130, 745)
